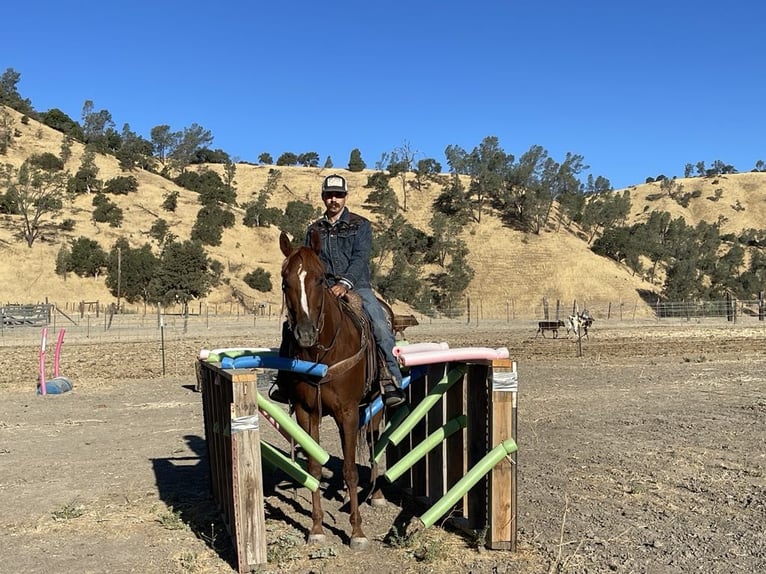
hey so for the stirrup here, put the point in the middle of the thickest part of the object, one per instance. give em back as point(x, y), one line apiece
point(393, 396)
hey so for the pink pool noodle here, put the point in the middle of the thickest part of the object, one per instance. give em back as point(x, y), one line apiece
point(57, 354)
point(459, 354)
point(419, 348)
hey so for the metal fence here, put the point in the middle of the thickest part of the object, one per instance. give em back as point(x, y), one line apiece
point(100, 323)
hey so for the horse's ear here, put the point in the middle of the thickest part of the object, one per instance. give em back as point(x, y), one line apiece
point(285, 245)
point(316, 240)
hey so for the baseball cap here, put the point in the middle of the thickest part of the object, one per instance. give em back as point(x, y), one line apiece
point(335, 183)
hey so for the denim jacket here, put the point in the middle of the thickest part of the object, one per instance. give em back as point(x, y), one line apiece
point(346, 248)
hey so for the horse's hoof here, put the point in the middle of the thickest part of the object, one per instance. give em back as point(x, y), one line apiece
point(378, 502)
point(359, 543)
point(316, 539)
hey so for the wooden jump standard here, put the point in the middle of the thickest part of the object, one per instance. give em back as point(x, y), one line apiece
point(478, 408)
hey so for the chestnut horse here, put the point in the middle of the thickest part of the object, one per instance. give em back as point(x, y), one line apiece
point(324, 332)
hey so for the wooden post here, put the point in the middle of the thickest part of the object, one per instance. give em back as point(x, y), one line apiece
point(232, 434)
point(503, 483)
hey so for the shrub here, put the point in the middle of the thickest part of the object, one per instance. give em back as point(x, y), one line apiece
point(67, 224)
point(46, 161)
point(170, 201)
point(121, 185)
point(106, 211)
point(159, 230)
point(259, 279)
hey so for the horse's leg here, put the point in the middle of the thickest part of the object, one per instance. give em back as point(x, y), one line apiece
point(310, 423)
point(373, 433)
point(348, 425)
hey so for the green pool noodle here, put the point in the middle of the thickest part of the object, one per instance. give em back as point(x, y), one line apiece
point(275, 458)
point(463, 485)
point(431, 442)
point(234, 353)
point(426, 404)
point(380, 446)
point(311, 447)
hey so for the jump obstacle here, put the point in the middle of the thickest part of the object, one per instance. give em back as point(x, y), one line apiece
point(58, 384)
point(451, 447)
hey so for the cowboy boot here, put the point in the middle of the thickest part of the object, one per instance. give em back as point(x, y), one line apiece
point(393, 395)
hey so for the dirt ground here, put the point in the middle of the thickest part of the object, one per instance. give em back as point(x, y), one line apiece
point(645, 454)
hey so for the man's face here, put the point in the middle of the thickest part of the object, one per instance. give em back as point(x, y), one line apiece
point(334, 202)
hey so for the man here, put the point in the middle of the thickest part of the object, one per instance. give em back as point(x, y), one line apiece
point(346, 240)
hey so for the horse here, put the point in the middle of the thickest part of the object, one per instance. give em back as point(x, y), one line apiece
point(323, 331)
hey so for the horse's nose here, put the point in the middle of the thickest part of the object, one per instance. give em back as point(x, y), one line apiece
point(306, 334)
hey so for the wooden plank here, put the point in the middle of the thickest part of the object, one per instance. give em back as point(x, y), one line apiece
point(247, 476)
point(503, 484)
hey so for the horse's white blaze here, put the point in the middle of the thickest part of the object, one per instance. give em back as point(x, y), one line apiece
point(304, 297)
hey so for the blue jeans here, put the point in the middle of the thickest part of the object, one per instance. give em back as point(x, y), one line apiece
point(384, 338)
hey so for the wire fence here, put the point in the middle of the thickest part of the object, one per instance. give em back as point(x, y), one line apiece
point(94, 322)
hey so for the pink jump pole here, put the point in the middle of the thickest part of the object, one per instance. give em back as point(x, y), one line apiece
point(41, 378)
point(57, 355)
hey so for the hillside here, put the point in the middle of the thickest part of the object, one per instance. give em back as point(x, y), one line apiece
point(513, 271)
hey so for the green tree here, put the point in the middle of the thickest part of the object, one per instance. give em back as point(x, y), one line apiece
point(400, 162)
point(605, 210)
point(453, 201)
point(192, 139)
point(63, 261)
point(160, 231)
point(59, 121)
point(210, 223)
point(164, 141)
point(288, 158)
point(98, 128)
point(355, 161)
point(85, 180)
point(7, 131)
point(46, 161)
point(309, 159)
point(426, 170)
point(448, 286)
point(121, 185)
point(129, 272)
point(328, 163)
point(87, 257)
point(265, 159)
point(257, 212)
point(488, 167)
point(170, 201)
point(134, 151)
point(183, 274)
point(9, 93)
point(297, 217)
point(35, 194)
point(106, 211)
point(66, 148)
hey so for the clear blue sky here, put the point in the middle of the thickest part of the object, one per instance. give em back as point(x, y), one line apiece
point(638, 88)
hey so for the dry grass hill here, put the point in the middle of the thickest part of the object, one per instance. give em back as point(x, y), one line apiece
point(513, 271)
